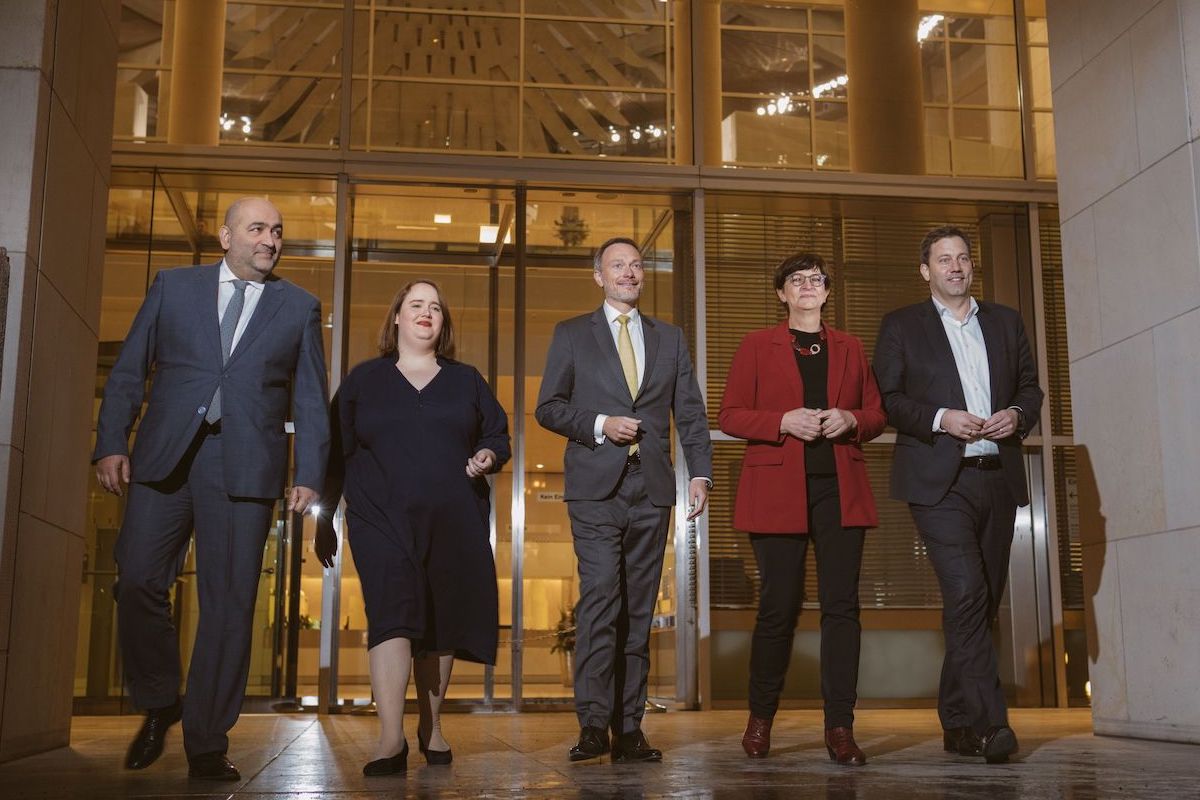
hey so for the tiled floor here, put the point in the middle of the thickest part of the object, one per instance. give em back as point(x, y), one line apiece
point(524, 755)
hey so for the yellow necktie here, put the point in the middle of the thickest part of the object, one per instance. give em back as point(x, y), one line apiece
point(628, 362)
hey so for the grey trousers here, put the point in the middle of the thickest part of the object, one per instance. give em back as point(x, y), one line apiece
point(619, 544)
point(230, 534)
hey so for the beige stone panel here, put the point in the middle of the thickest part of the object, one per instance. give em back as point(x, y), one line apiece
point(1117, 420)
point(1081, 287)
point(70, 180)
point(1066, 54)
point(1160, 621)
point(24, 34)
point(1096, 146)
point(1147, 250)
point(68, 79)
point(10, 485)
point(1178, 386)
point(21, 151)
point(1105, 637)
point(1160, 98)
point(1189, 24)
point(41, 655)
point(93, 113)
point(96, 245)
point(18, 335)
point(1103, 21)
point(62, 374)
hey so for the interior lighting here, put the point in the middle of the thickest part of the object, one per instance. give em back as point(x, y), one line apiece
point(488, 234)
point(441, 219)
point(636, 135)
point(760, 111)
point(829, 85)
point(614, 137)
point(926, 26)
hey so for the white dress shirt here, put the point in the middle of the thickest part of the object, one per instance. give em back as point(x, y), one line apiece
point(254, 290)
point(639, 353)
point(970, 357)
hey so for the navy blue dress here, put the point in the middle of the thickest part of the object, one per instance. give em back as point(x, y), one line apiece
point(418, 526)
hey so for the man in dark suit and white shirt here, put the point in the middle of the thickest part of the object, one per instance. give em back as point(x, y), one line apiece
point(612, 380)
point(960, 386)
point(229, 348)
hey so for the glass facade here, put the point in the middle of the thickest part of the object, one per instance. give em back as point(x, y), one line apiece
point(388, 134)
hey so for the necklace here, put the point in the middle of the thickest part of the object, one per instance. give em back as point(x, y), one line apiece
point(809, 350)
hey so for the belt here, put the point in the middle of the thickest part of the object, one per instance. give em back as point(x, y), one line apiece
point(211, 428)
point(633, 460)
point(981, 462)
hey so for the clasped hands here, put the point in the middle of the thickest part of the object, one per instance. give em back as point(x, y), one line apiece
point(811, 424)
point(970, 428)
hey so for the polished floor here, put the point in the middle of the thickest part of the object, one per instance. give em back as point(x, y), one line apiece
point(524, 755)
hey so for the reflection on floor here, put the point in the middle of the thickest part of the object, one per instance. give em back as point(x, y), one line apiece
point(524, 755)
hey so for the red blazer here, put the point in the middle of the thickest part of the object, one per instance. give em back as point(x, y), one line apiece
point(763, 384)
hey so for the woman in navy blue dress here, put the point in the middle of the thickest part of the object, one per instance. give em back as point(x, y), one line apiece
point(415, 434)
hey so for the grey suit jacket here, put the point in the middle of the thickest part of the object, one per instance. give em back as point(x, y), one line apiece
point(175, 341)
point(583, 378)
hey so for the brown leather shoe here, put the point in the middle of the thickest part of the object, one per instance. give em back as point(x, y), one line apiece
point(756, 741)
point(842, 747)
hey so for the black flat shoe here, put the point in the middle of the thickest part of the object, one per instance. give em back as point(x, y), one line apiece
point(212, 767)
point(147, 746)
point(388, 766)
point(434, 758)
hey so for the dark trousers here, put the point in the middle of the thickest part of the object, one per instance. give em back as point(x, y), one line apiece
point(968, 535)
point(619, 543)
point(230, 534)
point(780, 558)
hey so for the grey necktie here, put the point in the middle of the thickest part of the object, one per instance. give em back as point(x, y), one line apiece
point(229, 323)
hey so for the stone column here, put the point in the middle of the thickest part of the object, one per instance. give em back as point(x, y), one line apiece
point(883, 63)
point(196, 69)
point(706, 79)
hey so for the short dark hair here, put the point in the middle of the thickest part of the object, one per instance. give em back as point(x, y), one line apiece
point(598, 254)
point(799, 262)
point(937, 234)
point(388, 344)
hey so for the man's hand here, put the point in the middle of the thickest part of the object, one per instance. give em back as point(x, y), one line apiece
point(697, 497)
point(112, 471)
point(1001, 425)
point(481, 463)
point(326, 544)
point(621, 430)
point(961, 424)
point(835, 422)
point(803, 423)
point(301, 498)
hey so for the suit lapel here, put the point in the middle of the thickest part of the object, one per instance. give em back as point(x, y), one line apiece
point(650, 338)
point(993, 341)
point(837, 365)
point(608, 348)
point(783, 361)
point(935, 333)
point(268, 305)
point(208, 292)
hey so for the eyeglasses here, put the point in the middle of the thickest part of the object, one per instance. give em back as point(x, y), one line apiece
point(816, 281)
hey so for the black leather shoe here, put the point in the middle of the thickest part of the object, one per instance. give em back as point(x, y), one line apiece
point(962, 741)
point(434, 758)
point(388, 766)
point(593, 743)
point(147, 746)
point(212, 767)
point(633, 746)
point(999, 743)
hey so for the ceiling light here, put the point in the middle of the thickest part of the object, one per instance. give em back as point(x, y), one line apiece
point(441, 219)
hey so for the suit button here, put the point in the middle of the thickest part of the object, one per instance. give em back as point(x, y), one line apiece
point(201, 410)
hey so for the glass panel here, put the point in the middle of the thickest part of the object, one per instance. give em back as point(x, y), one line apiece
point(437, 46)
point(282, 110)
point(764, 15)
point(565, 121)
point(590, 54)
point(1043, 143)
point(764, 62)
point(935, 79)
point(828, 21)
point(1039, 74)
point(1037, 30)
point(612, 9)
point(145, 32)
point(507, 6)
point(983, 75)
point(987, 143)
point(560, 286)
point(430, 116)
point(937, 141)
point(140, 104)
point(829, 67)
point(281, 39)
point(992, 28)
point(446, 235)
point(831, 135)
point(752, 134)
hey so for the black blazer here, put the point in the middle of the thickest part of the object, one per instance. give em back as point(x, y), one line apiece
point(915, 369)
point(278, 366)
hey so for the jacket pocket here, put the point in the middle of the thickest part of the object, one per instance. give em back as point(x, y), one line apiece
point(762, 455)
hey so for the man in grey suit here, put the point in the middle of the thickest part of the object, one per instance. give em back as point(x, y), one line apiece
point(612, 380)
point(228, 348)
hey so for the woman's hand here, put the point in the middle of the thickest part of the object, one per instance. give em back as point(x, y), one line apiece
point(481, 463)
point(835, 422)
point(803, 423)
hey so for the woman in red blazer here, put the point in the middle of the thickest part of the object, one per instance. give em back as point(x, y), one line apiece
point(804, 398)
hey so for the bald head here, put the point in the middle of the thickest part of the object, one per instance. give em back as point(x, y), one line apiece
point(252, 237)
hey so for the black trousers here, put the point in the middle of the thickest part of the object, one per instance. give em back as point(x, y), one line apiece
point(619, 544)
point(230, 534)
point(780, 560)
point(968, 535)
